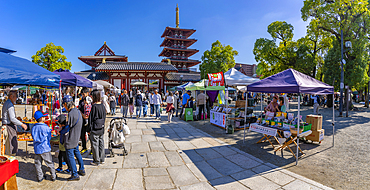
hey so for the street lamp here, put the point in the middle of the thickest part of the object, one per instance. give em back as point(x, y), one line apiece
point(181, 76)
point(94, 75)
point(348, 45)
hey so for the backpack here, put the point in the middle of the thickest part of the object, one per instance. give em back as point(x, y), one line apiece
point(318, 99)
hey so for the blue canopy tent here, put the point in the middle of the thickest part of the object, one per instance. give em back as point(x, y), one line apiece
point(183, 86)
point(19, 71)
point(15, 70)
point(292, 81)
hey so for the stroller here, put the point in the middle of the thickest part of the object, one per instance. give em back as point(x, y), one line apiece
point(116, 135)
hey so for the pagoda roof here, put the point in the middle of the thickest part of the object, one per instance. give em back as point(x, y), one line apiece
point(190, 51)
point(186, 77)
point(192, 41)
point(190, 62)
point(92, 60)
point(104, 50)
point(5, 50)
point(136, 66)
point(188, 32)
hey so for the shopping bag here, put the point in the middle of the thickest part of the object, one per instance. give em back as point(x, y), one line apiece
point(126, 130)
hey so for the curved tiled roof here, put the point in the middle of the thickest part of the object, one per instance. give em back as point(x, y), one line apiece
point(136, 66)
point(186, 77)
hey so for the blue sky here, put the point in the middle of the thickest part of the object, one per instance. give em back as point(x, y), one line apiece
point(134, 28)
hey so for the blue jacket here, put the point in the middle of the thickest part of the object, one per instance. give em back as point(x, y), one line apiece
point(185, 98)
point(41, 135)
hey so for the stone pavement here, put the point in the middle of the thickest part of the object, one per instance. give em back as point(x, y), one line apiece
point(176, 155)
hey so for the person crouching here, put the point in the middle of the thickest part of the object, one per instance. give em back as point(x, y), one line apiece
point(41, 135)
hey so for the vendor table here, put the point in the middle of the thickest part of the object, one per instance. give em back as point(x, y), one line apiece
point(218, 119)
point(7, 175)
point(269, 132)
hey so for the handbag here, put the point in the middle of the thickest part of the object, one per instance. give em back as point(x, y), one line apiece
point(99, 124)
point(126, 129)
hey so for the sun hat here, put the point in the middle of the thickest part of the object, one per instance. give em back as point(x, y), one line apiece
point(67, 98)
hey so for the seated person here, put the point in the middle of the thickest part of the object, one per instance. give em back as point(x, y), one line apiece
point(273, 105)
point(281, 106)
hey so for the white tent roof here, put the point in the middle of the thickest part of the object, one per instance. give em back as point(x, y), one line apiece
point(104, 83)
point(96, 85)
point(234, 77)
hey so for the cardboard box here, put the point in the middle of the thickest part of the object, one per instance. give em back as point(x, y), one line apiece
point(316, 136)
point(316, 121)
point(240, 104)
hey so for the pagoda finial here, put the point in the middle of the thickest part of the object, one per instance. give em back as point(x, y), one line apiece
point(177, 16)
point(105, 43)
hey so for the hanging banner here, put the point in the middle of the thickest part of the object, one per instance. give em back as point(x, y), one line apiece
point(216, 79)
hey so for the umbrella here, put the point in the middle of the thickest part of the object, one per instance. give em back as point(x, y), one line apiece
point(105, 84)
point(139, 83)
point(70, 79)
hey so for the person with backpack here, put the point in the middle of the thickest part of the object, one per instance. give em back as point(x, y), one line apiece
point(316, 104)
point(96, 129)
point(138, 104)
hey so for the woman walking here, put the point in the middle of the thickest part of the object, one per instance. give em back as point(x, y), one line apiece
point(112, 104)
point(170, 100)
point(96, 128)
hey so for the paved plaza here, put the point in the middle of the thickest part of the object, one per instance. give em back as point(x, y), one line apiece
point(173, 155)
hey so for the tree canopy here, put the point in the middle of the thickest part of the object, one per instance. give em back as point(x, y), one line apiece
point(353, 18)
point(50, 57)
point(219, 58)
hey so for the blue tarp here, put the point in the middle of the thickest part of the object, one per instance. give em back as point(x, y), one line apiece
point(290, 81)
point(70, 79)
point(15, 70)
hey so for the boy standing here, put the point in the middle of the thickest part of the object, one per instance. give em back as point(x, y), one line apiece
point(64, 128)
point(41, 135)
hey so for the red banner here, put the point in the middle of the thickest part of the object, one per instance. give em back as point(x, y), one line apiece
point(216, 79)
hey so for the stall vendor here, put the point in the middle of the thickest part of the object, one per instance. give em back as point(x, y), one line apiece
point(281, 107)
point(11, 122)
point(273, 106)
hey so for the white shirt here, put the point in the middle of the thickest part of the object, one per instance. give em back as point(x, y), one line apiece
point(170, 99)
point(157, 100)
point(151, 99)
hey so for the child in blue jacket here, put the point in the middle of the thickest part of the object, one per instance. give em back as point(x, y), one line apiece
point(41, 135)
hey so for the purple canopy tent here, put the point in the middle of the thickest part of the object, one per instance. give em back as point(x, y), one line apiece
point(292, 81)
point(70, 79)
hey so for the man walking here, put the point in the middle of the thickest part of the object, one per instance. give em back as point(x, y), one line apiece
point(201, 100)
point(138, 104)
point(125, 99)
point(71, 143)
point(185, 99)
point(151, 103)
point(157, 101)
point(316, 104)
point(10, 122)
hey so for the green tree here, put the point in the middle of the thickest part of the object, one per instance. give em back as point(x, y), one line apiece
point(353, 18)
point(281, 52)
point(219, 58)
point(50, 57)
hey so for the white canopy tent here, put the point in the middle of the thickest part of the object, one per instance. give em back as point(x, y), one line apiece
point(234, 77)
point(96, 86)
point(105, 84)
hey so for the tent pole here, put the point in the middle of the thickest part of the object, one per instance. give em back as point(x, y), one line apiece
point(25, 106)
point(60, 97)
point(299, 107)
point(333, 123)
point(261, 105)
point(245, 114)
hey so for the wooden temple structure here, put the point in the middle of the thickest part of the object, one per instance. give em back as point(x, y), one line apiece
point(173, 70)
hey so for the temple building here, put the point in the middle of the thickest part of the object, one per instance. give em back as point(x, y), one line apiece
point(173, 70)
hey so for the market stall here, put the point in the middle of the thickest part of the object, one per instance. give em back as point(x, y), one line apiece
point(18, 71)
point(290, 81)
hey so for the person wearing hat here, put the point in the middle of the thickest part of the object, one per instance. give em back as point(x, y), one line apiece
point(185, 101)
point(41, 135)
point(72, 138)
point(63, 129)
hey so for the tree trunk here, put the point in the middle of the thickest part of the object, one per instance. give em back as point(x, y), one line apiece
point(367, 96)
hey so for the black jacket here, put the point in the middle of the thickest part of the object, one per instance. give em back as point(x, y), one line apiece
point(125, 99)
